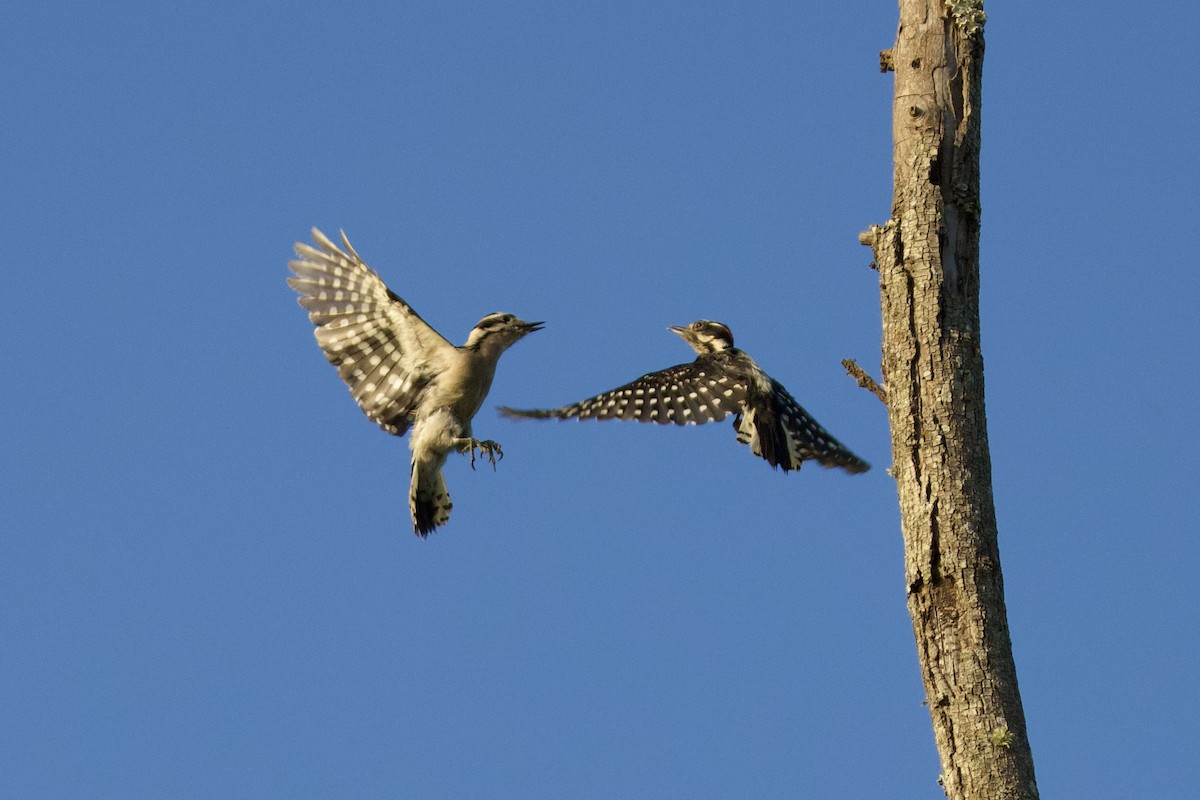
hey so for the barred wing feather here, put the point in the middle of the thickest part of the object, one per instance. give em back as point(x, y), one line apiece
point(686, 394)
point(380, 346)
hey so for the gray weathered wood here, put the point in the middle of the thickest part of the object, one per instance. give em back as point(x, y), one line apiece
point(928, 260)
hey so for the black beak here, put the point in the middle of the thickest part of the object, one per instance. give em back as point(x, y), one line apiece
point(530, 327)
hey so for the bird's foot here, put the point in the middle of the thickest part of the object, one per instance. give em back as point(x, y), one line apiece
point(486, 448)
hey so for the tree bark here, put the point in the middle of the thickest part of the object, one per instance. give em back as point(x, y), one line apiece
point(928, 260)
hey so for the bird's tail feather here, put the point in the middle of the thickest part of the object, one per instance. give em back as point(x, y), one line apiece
point(759, 427)
point(428, 499)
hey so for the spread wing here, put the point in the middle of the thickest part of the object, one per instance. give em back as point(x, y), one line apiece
point(686, 394)
point(381, 348)
point(778, 429)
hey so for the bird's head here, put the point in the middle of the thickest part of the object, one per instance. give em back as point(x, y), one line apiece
point(705, 336)
point(499, 331)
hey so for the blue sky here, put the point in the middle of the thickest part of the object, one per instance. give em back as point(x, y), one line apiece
point(208, 582)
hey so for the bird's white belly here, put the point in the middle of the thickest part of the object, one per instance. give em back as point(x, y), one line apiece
point(437, 432)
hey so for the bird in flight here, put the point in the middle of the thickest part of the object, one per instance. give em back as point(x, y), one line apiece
point(723, 380)
point(402, 373)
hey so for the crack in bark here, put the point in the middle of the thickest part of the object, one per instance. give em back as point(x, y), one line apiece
point(935, 545)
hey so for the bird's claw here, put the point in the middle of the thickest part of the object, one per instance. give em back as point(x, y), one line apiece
point(486, 448)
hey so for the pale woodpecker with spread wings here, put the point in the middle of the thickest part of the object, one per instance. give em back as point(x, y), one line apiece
point(723, 380)
point(402, 373)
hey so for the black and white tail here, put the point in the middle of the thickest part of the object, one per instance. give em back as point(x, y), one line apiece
point(428, 499)
point(785, 435)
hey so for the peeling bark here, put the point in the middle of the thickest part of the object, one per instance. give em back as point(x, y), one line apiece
point(928, 260)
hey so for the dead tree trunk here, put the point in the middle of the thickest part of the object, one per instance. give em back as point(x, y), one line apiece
point(928, 260)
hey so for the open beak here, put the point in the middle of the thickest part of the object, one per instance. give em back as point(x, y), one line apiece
point(530, 327)
point(678, 330)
